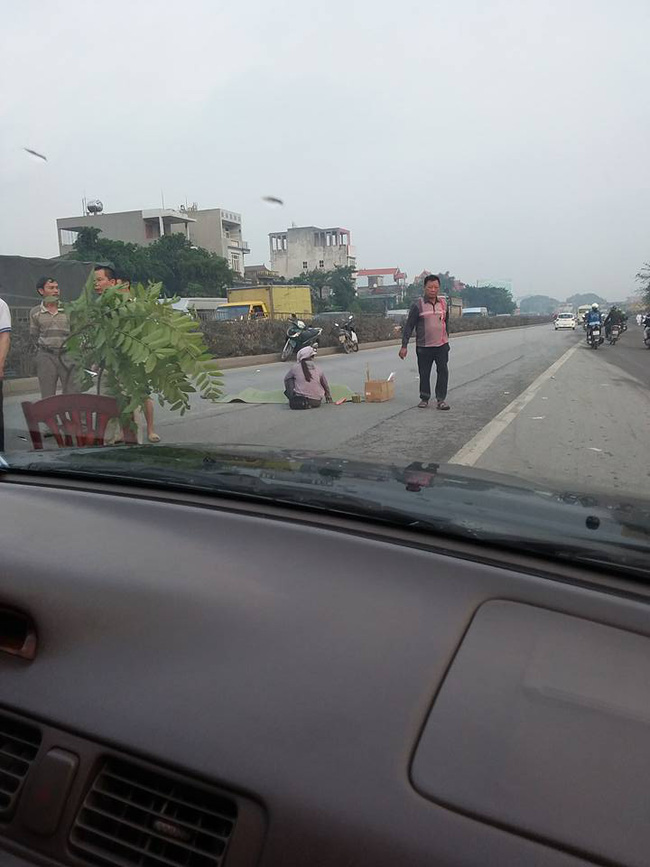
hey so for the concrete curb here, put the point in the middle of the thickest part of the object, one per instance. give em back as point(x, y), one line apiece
point(30, 384)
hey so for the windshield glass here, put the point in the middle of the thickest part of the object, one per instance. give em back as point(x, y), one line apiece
point(238, 312)
point(467, 181)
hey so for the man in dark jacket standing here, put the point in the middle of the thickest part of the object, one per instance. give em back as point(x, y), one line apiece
point(429, 316)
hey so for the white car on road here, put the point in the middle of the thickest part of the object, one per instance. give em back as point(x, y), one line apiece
point(565, 320)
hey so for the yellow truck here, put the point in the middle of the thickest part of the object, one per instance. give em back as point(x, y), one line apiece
point(276, 302)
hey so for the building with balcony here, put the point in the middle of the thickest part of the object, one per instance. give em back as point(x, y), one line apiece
point(260, 275)
point(219, 231)
point(215, 229)
point(307, 248)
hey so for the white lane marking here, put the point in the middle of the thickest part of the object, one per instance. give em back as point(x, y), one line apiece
point(472, 451)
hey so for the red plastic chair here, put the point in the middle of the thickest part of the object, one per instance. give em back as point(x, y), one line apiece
point(74, 420)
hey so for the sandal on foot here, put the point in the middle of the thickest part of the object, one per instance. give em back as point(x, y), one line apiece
point(153, 438)
point(423, 404)
point(442, 405)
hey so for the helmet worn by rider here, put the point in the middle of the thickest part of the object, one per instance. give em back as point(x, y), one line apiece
point(594, 306)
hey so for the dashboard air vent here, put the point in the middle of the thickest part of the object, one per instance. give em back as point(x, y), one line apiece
point(19, 745)
point(134, 816)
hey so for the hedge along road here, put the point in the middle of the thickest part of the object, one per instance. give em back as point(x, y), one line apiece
point(487, 370)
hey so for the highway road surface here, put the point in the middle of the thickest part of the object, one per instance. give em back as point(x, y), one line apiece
point(531, 402)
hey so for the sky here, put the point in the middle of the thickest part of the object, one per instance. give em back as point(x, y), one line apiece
point(504, 140)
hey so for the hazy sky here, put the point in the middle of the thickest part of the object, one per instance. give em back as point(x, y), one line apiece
point(491, 139)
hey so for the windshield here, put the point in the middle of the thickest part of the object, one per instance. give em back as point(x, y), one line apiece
point(430, 224)
point(241, 311)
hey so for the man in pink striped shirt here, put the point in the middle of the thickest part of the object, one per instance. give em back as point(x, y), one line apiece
point(429, 317)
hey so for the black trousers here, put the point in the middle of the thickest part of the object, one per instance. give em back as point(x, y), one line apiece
point(300, 402)
point(2, 422)
point(426, 357)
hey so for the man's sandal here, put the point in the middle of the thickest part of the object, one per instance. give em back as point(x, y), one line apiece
point(442, 405)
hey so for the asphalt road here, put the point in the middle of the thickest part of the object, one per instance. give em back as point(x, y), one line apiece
point(531, 402)
point(586, 427)
point(486, 371)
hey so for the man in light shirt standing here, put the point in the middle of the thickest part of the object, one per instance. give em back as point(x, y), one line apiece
point(429, 317)
point(5, 343)
point(50, 327)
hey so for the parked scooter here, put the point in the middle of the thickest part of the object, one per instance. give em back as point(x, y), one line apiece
point(298, 336)
point(347, 336)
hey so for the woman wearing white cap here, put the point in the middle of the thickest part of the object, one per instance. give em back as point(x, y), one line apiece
point(305, 385)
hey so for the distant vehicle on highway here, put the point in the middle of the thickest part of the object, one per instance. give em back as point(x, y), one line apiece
point(205, 308)
point(244, 312)
point(565, 320)
point(474, 311)
point(582, 310)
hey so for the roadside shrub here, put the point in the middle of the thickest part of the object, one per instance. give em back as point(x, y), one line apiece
point(261, 337)
point(487, 323)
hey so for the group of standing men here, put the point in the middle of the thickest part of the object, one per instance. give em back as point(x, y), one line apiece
point(49, 327)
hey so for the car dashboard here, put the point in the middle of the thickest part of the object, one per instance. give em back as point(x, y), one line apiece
point(187, 681)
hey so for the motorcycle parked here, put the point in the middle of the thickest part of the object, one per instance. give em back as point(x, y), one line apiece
point(347, 336)
point(614, 334)
point(299, 336)
point(594, 338)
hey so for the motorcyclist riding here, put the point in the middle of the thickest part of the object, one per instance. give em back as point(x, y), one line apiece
point(645, 323)
point(593, 318)
point(614, 317)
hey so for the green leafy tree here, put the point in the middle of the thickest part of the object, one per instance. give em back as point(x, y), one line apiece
point(171, 260)
point(539, 304)
point(586, 298)
point(447, 281)
point(140, 345)
point(317, 280)
point(175, 262)
point(497, 299)
point(644, 279)
point(130, 259)
point(341, 282)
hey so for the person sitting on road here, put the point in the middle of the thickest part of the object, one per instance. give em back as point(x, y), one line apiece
point(305, 384)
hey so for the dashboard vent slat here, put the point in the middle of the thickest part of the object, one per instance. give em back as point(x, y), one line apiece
point(19, 745)
point(132, 816)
